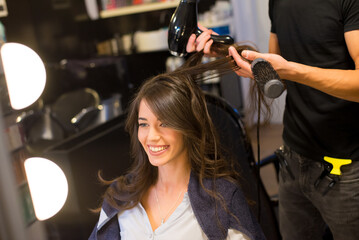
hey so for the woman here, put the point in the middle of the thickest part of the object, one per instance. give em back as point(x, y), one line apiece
point(179, 186)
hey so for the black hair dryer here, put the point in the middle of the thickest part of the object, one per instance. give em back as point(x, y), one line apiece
point(183, 24)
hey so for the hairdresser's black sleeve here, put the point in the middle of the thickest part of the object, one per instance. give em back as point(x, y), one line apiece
point(350, 13)
point(271, 3)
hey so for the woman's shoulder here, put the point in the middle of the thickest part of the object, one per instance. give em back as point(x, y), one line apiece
point(224, 186)
point(218, 182)
point(110, 202)
point(226, 183)
point(229, 189)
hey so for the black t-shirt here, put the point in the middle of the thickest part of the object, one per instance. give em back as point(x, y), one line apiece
point(312, 32)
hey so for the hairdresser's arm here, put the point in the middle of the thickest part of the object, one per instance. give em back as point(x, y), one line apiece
point(339, 83)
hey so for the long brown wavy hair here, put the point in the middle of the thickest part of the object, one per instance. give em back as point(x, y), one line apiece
point(178, 101)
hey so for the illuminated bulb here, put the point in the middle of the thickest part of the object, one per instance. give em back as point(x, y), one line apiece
point(48, 186)
point(24, 73)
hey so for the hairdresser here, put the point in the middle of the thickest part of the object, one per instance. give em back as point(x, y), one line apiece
point(314, 46)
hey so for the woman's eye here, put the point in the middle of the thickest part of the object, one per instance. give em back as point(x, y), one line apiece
point(164, 125)
point(142, 124)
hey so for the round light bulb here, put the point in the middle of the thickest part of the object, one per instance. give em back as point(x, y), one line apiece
point(24, 72)
point(48, 186)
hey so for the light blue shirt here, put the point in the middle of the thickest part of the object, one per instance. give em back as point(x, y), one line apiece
point(182, 224)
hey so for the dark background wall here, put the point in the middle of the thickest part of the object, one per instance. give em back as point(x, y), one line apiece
point(59, 29)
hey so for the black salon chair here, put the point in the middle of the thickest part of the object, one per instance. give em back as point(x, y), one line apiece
point(234, 139)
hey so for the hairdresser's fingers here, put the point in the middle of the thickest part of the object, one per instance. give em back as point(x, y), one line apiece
point(207, 47)
point(200, 26)
point(251, 55)
point(202, 41)
point(279, 64)
point(214, 33)
point(207, 43)
point(245, 68)
point(244, 73)
point(203, 36)
point(199, 43)
point(191, 44)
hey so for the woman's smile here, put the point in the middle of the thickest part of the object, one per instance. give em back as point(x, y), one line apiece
point(157, 150)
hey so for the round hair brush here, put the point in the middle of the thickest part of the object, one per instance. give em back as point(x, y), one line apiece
point(267, 78)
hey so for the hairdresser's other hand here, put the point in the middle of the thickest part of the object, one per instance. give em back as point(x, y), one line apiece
point(244, 66)
point(202, 42)
point(281, 65)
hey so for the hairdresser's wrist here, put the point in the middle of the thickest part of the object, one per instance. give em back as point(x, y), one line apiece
point(293, 71)
point(289, 70)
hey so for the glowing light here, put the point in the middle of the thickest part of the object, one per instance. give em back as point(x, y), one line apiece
point(48, 186)
point(24, 73)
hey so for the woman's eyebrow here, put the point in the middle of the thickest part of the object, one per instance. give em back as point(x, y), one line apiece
point(142, 118)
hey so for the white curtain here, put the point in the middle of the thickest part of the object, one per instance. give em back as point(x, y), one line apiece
point(251, 23)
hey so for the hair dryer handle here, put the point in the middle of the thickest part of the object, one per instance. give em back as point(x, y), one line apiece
point(225, 39)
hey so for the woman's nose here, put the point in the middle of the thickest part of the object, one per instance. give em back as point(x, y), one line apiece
point(153, 134)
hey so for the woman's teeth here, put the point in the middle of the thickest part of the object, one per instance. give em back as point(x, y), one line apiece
point(158, 149)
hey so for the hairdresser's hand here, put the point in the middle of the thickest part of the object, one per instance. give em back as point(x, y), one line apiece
point(202, 42)
point(278, 62)
point(244, 66)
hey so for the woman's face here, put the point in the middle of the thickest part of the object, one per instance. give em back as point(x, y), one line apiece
point(163, 145)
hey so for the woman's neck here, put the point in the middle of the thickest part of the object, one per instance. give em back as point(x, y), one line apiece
point(173, 178)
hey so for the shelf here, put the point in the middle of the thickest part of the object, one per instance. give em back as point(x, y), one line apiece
point(138, 9)
point(216, 24)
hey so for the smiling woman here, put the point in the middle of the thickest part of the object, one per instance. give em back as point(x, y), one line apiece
point(180, 185)
point(164, 145)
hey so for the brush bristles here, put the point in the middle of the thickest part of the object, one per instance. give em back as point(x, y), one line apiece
point(267, 78)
